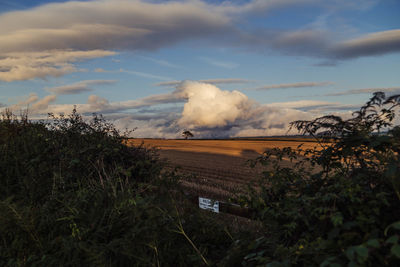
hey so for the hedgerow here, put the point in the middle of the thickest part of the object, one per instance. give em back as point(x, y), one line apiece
point(72, 194)
point(339, 204)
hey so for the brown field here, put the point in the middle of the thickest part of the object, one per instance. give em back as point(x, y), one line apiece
point(217, 168)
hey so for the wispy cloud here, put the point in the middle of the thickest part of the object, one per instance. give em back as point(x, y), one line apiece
point(219, 63)
point(136, 73)
point(44, 102)
point(309, 105)
point(293, 85)
point(329, 63)
point(30, 65)
point(211, 81)
point(33, 103)
point(79, 87)
point(378, 43)
point(322, 43)
point(145, 75)
point(366, 91)
point(301, 104)
point(160, 62)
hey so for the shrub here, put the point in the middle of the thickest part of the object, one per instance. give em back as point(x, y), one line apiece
point(72, 194)
point(339, 204)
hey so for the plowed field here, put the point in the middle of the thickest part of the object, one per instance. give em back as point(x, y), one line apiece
point(217, 168)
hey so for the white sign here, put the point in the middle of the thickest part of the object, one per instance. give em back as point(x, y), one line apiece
point(208, 204)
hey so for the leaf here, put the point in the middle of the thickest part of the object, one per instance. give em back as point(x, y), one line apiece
point(350, 253)
point(396, 250)
point(337, 219)
point(395, 225)
point(362, 252)
point(329, 263)
point(392, 240)
point(251, 255)
point(374, 243)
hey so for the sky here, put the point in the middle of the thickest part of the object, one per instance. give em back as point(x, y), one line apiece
point(216, 68)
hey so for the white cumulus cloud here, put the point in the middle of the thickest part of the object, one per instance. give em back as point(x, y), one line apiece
point(209, 106)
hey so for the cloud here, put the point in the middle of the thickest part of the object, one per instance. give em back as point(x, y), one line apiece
point(101, 70)
point(372, 44)
point(313, 105)
point(94, 28)
point(145, 75)
point(211, 112)
point(326, 64)
point(209, 106)
point(79, 87)
point(44, 102)
point(136, 73)
point(366, 91)
point(307, 42)
point(90, 29)
point(204, 109)
point(160, 62)
point(29, 100)
point(219, 63)
point(33, 103)
point(320, 43)
point(304, 42)
point(210, 81)
point(28, 65)
point(301, 104)
point(260, 7)
point(294, 85)
point(98, 103)
point(118, 24)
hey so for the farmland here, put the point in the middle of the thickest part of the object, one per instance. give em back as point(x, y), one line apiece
point(217, 168)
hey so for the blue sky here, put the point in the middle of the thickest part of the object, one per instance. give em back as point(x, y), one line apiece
point(219, 69)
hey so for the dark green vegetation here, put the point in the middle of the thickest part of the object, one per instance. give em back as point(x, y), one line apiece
point(338, 206)
point(71, 193)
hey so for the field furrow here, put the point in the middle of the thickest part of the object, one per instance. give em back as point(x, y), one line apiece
point(217, 168)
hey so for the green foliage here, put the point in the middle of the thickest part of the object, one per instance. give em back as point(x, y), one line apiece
point(72, 194)
point(339, 204)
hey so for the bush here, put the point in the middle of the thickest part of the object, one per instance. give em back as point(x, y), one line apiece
point(339, 204)
point(72, 194)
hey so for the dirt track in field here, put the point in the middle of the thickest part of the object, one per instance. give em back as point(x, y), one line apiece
point(216, 168)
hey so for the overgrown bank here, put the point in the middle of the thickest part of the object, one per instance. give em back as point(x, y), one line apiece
point(72, 194)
